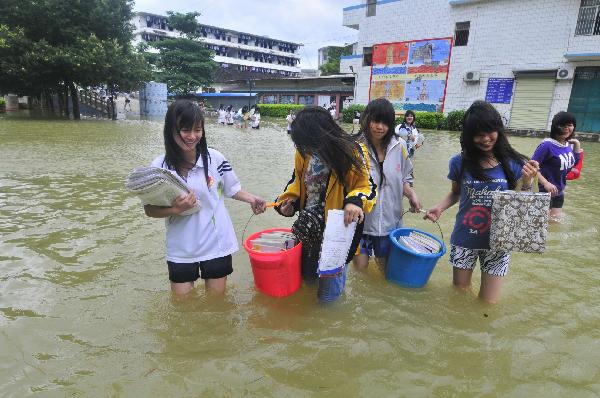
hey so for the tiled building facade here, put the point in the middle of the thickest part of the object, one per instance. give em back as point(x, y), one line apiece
point(551, 48)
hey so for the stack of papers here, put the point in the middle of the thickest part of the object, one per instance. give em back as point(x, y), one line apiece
point(337, 240)
point(272, 242)
point(158, 187)
point(420, 243)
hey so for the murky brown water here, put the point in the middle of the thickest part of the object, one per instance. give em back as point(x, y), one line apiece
point(85, 308)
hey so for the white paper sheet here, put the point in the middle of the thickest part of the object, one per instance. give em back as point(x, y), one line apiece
point(337, 239)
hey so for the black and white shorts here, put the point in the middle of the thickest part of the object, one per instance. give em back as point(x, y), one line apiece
point(491, 262)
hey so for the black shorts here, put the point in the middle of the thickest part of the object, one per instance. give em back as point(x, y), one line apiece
point(557, 202)
point(210, 269)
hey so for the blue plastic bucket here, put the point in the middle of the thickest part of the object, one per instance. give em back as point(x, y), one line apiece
point(407, 267)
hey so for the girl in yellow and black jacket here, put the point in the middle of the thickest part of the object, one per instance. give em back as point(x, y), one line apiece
point(330, 172)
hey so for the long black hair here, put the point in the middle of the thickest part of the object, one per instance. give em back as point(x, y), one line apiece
point(315, 132)
point(183, 114)
point(560, 120)
point(379, 110)
point(410, 113)
point(482, 117)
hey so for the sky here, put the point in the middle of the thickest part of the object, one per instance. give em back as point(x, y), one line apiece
point(315, 23)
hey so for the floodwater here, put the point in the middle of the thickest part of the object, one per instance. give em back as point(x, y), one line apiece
point(85, 307)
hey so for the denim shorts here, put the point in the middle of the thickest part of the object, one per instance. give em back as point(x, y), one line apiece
point(375, 245)
point(492, 262)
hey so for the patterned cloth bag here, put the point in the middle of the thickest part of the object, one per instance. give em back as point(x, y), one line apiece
point(519, 221)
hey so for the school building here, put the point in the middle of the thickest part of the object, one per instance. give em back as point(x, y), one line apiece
point(326, 91)
point(531, 58)
point(240, 55)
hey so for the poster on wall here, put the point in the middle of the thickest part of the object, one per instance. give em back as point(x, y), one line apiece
point(412, 74)
point(499, 90)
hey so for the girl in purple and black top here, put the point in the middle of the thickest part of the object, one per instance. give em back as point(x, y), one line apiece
point(556, 158)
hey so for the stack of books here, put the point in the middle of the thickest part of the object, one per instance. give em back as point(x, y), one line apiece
point(158, 187)
point(420, 243)
point(273, 242)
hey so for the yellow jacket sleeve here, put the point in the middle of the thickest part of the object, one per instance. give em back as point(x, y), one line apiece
point(362, 188)
point(294, 186)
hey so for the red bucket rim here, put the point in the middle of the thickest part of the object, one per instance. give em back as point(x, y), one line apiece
point(249, 249)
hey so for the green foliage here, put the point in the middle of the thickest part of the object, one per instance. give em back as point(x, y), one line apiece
point(185, 23)
point(424, 120)
point(348, 113)
point(49, 44)
point(437, 121)
point(332, 66)
point(2, 102)
point(278, 110)
point(430, 120)
point(184, 63)
point(454, 120)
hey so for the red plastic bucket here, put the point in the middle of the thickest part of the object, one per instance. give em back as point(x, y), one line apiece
point(275, 274)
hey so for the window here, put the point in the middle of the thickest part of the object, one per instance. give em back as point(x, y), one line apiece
point(287, 99)
point(588, 21)
point(269, 99)
point(306, 99)
point(367, 56)
point(371, 8)
point(461, 33)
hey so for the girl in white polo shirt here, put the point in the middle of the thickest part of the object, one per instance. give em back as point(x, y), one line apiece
point(198, 245)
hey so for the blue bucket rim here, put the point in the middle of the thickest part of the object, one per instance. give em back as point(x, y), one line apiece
point(424, 255)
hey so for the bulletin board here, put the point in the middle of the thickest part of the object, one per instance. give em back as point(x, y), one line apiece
point(412, 74)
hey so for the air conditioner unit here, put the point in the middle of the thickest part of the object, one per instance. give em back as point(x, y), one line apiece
point(564, 74)
point(472, 76)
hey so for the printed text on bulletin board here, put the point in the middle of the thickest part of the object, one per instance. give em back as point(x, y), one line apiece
point(499, 90)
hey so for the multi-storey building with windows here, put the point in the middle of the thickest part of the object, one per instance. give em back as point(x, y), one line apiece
point(324, 52)
point(240, 55)
point(530, 58)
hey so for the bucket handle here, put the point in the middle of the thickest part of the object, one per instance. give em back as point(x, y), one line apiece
point(435, 222)
point(246, 226)
point(271, 204)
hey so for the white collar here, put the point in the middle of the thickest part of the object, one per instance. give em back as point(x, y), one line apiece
point(555, 142)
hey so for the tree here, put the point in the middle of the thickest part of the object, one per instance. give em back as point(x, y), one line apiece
point(52, 46)
point(332, 66)
point(184, 63)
